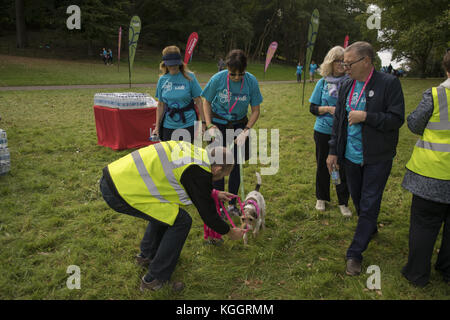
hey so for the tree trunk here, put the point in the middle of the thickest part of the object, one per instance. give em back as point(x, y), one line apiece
point(21, 31)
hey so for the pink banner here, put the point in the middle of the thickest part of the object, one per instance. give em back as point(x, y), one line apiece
point(346, 42)
point(192, 42)
point(270, 52)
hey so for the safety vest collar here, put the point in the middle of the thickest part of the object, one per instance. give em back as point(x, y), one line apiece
point(440, 95)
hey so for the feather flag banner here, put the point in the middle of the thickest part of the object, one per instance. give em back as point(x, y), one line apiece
point(270, 52)
point(192, 42)
point(133, 36)
point(312, 35)
point(346, 41)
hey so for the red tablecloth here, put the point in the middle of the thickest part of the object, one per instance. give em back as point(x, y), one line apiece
point(121, 129)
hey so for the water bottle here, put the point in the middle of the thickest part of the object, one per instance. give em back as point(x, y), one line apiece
point(335, 178)
point(5, 164)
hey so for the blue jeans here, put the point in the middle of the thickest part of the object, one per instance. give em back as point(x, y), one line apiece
point(161, 243)
point(366, 185)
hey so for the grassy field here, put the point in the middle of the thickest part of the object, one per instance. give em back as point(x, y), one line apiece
point(52, 214)
point(19, 71)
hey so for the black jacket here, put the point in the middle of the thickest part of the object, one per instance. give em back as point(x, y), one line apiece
point(385, 107)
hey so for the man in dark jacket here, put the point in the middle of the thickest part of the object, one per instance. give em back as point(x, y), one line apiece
point(364, 140)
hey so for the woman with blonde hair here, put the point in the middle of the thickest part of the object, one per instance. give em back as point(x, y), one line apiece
point(177, 91)
point(323, 103)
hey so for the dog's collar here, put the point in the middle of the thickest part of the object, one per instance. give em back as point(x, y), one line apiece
point(254, 203)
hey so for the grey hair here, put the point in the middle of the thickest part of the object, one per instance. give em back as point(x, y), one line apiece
point(363, 49)
point(220, 156)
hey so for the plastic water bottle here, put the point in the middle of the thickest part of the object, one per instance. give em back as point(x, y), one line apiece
point(3, 139)
point(5, 164)
point(335, 178)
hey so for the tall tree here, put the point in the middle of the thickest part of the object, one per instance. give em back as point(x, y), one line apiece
point(21, 31)
point(414, 29)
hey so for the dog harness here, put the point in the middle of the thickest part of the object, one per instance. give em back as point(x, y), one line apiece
point(255, 204)
point(219, 204)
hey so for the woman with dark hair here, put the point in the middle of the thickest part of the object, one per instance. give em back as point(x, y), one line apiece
point(227, 96)
point(177, 91)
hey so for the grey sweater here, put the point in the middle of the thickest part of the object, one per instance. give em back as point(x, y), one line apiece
point(425, 187)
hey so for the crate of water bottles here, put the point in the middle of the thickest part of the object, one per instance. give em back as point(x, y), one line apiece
point(124, 100)
point(5, 164)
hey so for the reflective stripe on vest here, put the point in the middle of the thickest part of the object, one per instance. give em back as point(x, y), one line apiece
point(168, 171)
point(431, 154)
point(444, 123)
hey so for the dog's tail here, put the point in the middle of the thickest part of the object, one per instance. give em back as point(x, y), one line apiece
point(258, 181)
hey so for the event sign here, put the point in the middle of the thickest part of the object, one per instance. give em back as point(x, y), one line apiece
point(192, 42)
point(270, 52)
point(312, 35)
point(133, 36)
point(346, 41)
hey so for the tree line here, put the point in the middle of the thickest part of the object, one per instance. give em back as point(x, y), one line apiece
point(417, 30)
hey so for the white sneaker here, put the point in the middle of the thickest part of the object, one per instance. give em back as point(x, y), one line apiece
point(320, 205)
point(345, 210)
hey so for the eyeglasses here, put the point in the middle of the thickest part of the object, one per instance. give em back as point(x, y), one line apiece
point(349, 65)
point(232, 74)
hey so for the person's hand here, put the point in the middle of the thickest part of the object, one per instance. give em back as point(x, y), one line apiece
point(156, 131)
point(331, 109)
point(240, 139)
point(235, 234)
point(213, 132)
point(356, 116)
point(225, 196)
point(332, 161)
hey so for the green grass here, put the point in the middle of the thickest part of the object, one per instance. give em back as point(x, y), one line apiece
point(52, 215)
point(20, 71)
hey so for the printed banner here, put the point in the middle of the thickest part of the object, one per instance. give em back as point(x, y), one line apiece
point(192, 42)
point(270, 52)
point(133, 36)
point(346, 41)
point(312, 35)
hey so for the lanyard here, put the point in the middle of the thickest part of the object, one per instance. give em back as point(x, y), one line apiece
point(228, 91)
point(360, 94)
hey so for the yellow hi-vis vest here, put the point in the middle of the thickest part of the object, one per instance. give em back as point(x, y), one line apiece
point(431, 154)
point(148, 179)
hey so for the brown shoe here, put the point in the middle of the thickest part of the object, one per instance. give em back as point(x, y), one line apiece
point(142, 261)
point(156, 284)
point(353, 267)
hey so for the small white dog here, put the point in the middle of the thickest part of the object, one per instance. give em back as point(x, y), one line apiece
point(253, 217)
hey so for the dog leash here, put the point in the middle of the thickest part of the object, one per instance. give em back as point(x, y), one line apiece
point(219, 204)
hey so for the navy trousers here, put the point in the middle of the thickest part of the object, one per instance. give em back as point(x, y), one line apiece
point(366, 185)
point(427, 218)
point(161, 243)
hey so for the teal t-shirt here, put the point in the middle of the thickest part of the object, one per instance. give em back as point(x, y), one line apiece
point(216, 93)
point(354, 148)
point(312, 68)
point(321, 97)
point(177, 92)
point(299, 69)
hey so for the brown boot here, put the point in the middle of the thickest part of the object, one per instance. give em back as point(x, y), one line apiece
point(353, 267)
point(156, 284)
point(142, 261)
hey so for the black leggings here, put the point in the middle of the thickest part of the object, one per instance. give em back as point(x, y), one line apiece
point(322, 174)
point(234, 180)
point(166, 134)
